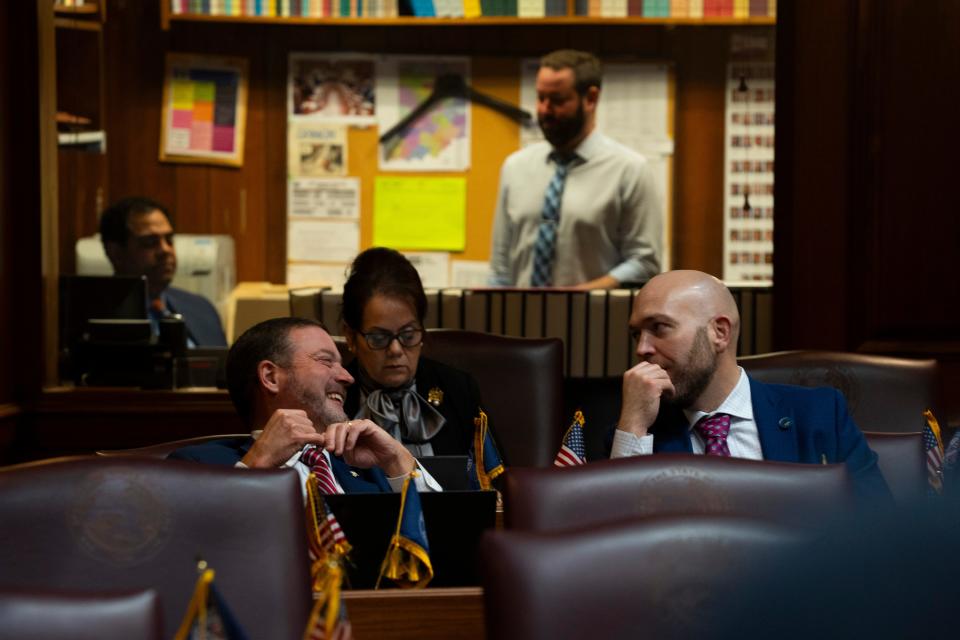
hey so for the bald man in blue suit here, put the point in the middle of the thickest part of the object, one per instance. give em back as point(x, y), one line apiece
point(688, 394)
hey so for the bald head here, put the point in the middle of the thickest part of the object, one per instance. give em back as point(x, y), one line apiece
point(697, 295)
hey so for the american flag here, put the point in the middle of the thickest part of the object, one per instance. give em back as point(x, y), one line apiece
point(933, 446)
point(572, 450)
point(324, 534)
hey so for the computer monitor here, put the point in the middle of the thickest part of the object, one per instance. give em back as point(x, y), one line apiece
point(104, 297)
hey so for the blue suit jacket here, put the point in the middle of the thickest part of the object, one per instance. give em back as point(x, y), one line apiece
point(230, 451)
point(199, 316)
point(796, 424)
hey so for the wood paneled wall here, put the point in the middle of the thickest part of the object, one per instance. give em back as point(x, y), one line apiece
point(867, 199)
point(249, 203)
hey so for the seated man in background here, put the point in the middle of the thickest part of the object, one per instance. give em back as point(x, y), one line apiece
point(287, 382)
point(137, 237)
point(689, 395)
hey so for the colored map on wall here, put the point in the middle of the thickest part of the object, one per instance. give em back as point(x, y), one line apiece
point(437, 140)
point(203, 110)
point(203, 116)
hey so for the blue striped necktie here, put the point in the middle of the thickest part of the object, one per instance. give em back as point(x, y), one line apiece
point(544, 252)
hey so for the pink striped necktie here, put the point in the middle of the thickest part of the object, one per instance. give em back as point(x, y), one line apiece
point(317, 462)
point(714, 431)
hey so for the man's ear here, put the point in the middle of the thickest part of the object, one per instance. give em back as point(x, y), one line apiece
point(722, 332)
point(270, 375)
point(590, 98)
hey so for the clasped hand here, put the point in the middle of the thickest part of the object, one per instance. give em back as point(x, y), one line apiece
point(362, 443)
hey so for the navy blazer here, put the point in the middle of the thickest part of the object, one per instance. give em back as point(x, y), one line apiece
point(795, 424)
point(230, 451)
point(199, 316)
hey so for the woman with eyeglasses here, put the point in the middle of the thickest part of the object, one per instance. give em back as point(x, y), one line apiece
point(425, 404)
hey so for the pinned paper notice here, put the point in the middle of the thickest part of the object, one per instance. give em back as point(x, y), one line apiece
point(420, 213)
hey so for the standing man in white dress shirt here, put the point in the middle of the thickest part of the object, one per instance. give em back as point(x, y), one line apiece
point(578, 210)
point(688, 394)
point(287, 381)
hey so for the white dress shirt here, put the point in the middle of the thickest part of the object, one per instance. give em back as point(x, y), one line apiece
point(611, 218)
point(743, 439)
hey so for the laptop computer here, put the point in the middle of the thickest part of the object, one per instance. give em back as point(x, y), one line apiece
point(449, 471)
point(455, 522)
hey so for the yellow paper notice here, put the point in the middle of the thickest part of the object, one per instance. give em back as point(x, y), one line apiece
point(420, 213)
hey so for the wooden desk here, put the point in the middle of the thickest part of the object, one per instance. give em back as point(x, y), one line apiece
point(423, 614)
point(76, 421)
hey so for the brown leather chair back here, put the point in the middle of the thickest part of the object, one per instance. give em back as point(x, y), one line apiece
point(610, 490)
point(162, 450)
point(658, 578)
point(902, 462)
point(54, 615)
point(521, 384)
point(883, 393)
point(134, 523)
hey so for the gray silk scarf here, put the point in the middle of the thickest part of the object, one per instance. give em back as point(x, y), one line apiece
point(401, 412)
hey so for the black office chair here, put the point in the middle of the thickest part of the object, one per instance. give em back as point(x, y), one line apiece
point(134, 523)
point(606, 491)
point(163, 449)
point(664, 578)
point(883, 393)
point(902, 462)
point(521, 383)
point(53, 615)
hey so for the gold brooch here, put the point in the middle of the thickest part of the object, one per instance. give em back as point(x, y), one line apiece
point(435, 396)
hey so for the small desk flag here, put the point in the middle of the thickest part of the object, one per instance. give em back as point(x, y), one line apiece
point(933, 447)
point(572, 449)
point(407, 562)
point(484, 464)
point(328, 549)
point(208, 617)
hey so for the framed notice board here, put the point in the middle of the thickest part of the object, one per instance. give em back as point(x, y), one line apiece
point(204, 109)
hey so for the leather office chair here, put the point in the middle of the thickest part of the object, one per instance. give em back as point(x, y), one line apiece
point(521, 384)
point(544, 500)
point(883, 393)
point(53, 615)
point(134, 523)
point(902, 462)
point(163, 449)
point(664, 578)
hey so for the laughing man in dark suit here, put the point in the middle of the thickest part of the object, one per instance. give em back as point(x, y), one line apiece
point(287, 382)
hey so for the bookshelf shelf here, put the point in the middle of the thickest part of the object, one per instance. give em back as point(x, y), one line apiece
point(72, 23)
point(413, 21)
point(83, 9)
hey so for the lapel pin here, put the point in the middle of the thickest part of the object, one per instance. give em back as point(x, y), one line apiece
point(354, 473)
point(785, 423)
point(435, 396)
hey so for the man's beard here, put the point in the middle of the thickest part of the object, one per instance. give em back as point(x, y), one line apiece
point(564, 129)
point(320, 410)
point(691, 381)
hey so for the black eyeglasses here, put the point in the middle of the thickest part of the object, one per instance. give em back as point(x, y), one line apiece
point(378, 340)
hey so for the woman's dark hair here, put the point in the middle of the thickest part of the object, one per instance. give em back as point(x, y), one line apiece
point(385, 272)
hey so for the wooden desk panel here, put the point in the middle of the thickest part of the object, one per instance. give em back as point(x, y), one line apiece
point(76, 421)
point(426, 614)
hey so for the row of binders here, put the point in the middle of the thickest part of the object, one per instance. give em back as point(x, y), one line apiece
point(593, 325)
point(680, 9)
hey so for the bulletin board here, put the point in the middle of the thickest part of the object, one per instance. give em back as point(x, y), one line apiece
point(492, 138)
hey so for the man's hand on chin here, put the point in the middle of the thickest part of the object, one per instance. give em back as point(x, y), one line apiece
point(643, 387)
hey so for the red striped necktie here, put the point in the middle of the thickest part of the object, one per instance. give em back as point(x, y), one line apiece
point(317, 462)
